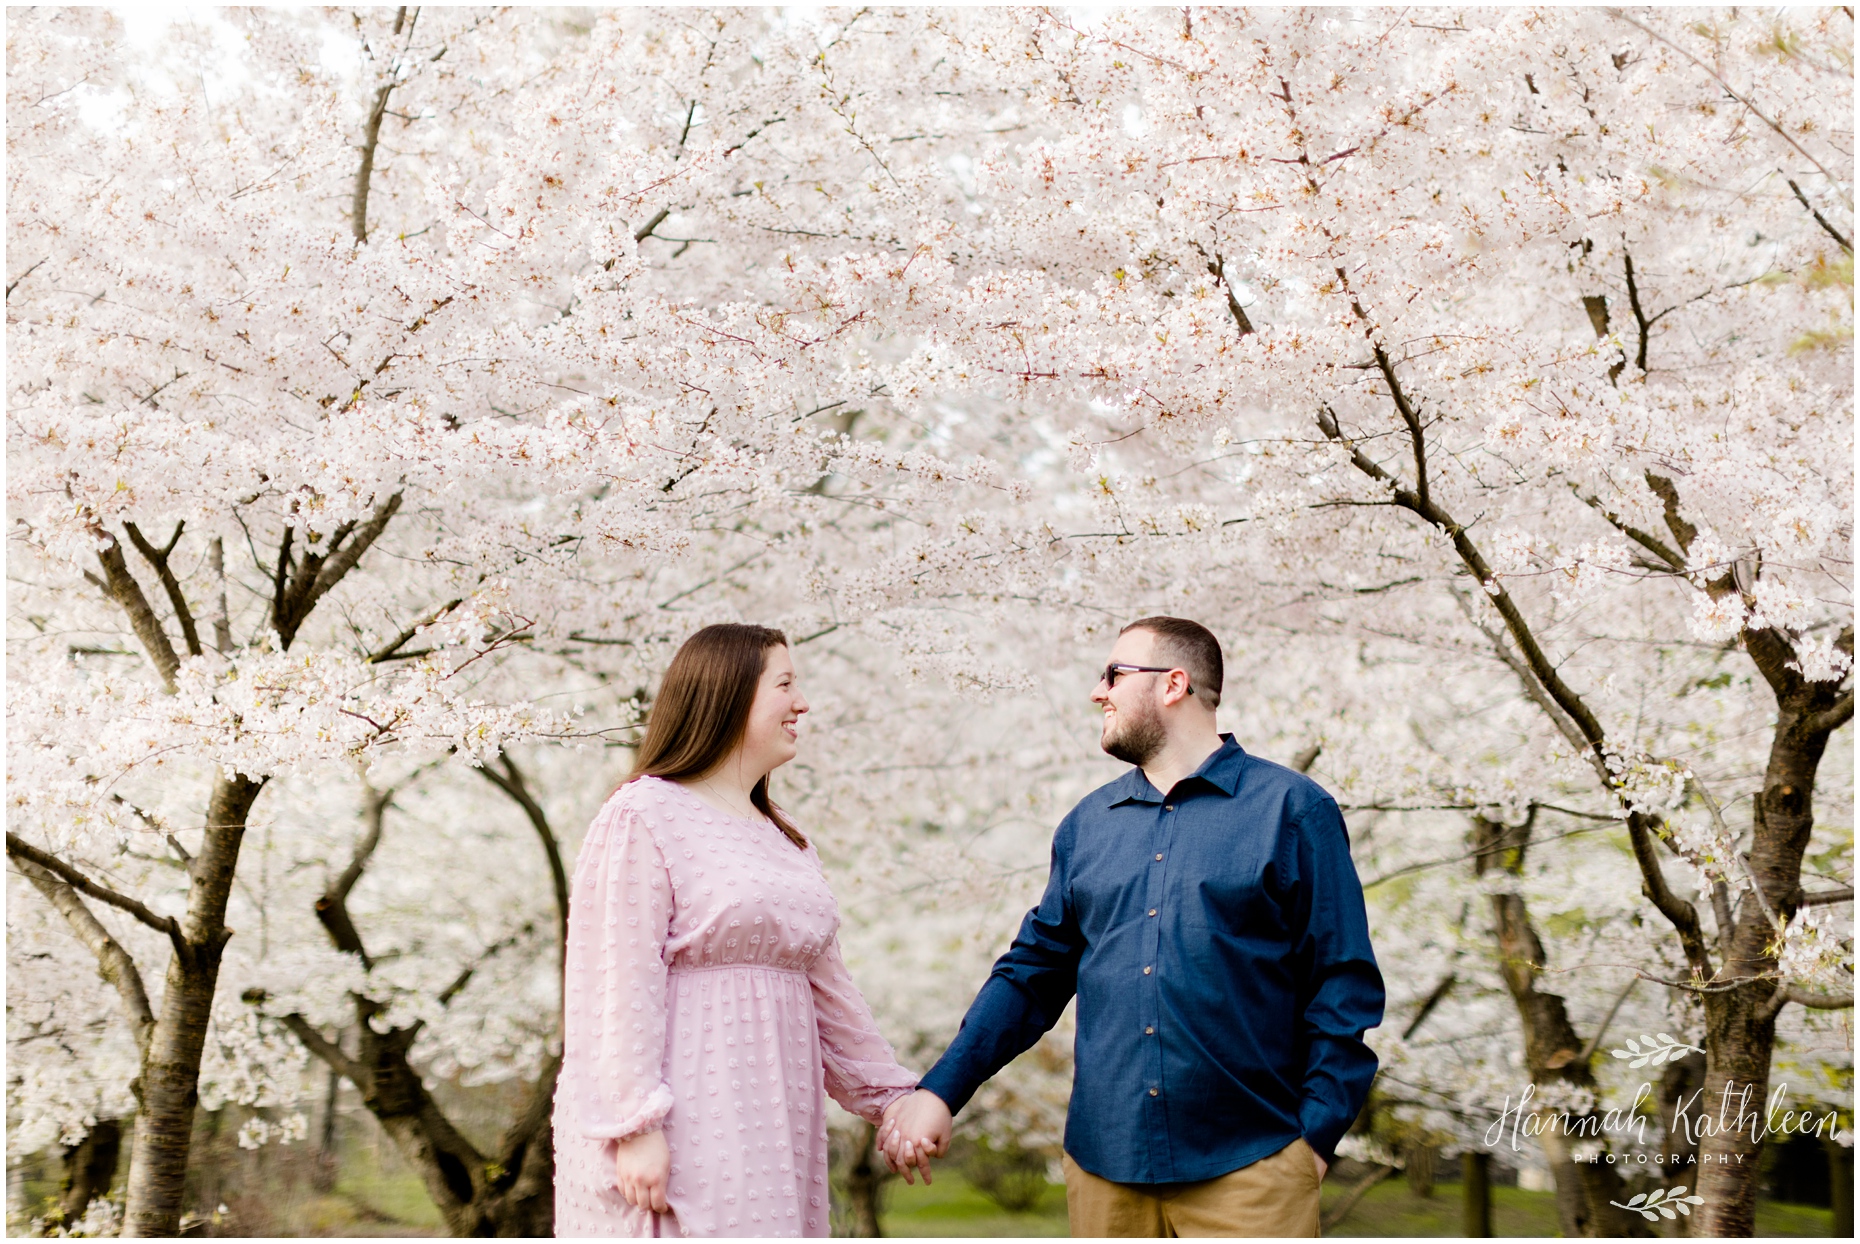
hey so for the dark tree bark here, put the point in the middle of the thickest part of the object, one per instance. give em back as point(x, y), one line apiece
point(1740, 1022)
point(171, 1040)
point(171, 1069)
point(1553, 1052)
point(1739, 990)
point(510, 1192)
point(1682, 1086)
point(90, 1167)
point(1841, 1172)
point(1476, 1194)
point(864, 1183)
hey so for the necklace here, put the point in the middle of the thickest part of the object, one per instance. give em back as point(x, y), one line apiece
point(730, 804)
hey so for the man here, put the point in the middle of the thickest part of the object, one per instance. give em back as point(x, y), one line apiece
point(1205, 910)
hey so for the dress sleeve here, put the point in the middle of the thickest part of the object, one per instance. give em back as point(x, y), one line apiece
point(862, 1073)
point(619, 917)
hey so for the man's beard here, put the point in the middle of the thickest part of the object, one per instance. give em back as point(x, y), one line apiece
point(1136, 739)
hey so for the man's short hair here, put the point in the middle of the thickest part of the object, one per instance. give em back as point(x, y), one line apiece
point(1188, 646)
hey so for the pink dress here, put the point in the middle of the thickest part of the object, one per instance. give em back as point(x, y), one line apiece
point(706, 996)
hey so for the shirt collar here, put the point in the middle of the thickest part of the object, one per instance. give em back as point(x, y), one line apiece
point(1220, 770)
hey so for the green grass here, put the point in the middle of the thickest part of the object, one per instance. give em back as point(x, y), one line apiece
point(388, 1196)
point(1390, 1209)
point(1776, 1218)
point(952, 1207)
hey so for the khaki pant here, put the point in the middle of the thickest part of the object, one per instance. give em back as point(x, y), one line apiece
point(1274, 1196)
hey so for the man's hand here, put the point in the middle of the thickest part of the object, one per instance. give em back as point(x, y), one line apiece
point(1323, 1166)
point(643, 1169)
point(914, 1130)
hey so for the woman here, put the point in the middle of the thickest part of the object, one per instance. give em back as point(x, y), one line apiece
point(707, 1005)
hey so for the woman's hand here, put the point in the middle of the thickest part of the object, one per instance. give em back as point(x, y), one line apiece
point(914, 1129)
point(642, 1169)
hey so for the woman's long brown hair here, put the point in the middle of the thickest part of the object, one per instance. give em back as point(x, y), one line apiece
point(703, 708)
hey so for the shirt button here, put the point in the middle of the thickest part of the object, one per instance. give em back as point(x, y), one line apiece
point(1152, 911)
point(1146, 971)
point(1149, 1032)
point(1155, 1092)
point(1168, 807)
point(1159, 855)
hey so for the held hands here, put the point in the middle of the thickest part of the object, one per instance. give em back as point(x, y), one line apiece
point(914, 1130)
point(643, 1170)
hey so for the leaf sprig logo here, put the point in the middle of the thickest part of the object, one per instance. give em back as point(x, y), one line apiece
point(1652, 1051)
point(1661, 1202)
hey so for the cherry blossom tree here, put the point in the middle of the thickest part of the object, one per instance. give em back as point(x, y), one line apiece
point(1465, 311)
point(332, 317)
point(403, 391)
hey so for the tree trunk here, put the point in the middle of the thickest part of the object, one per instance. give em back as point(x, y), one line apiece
point(90, 1168)
point(1476, 1194)
point(864, 1179)
point(170, 1079)
point(1418, 1166)
point(1740, 1023)
point(511, 1195)
point(327, 1162)
point(1552, 1050)
point(1841, 1176)
point(1682, 1088)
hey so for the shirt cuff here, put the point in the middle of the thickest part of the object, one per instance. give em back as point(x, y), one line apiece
point(949, 1085)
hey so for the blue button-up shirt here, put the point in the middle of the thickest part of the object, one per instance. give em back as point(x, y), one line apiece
point(1217, 942)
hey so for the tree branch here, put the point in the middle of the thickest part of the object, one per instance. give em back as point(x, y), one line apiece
point(1832, 719)
point(121, 586)
point(1683, 916)
point(1808, 998)
point(1653, 544)
point(20, 849)
point(1731, 91)
point(1411, 419)
point(1433, 1000)
point(1217, 267)
point(158, 558)
point(510, 781)
point(471, 969)
point(318, 1044)
point(1847, 244)
point(1539, 663)
point(645, 231)
point(1822, 898)
point(1601, 1030)
point(391, 650)
point(371, 136)
point(222, 622)
point(1558, 718)
point(114, 963)
point(1683, 532)
point(314, 577)
point(332, 906)
point(1818, 1001)
point(1641, 323)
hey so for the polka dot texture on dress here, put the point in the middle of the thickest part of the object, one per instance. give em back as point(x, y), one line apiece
point(707, 996)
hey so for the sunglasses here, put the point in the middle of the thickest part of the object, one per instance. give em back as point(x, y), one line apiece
point(1111, 671)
